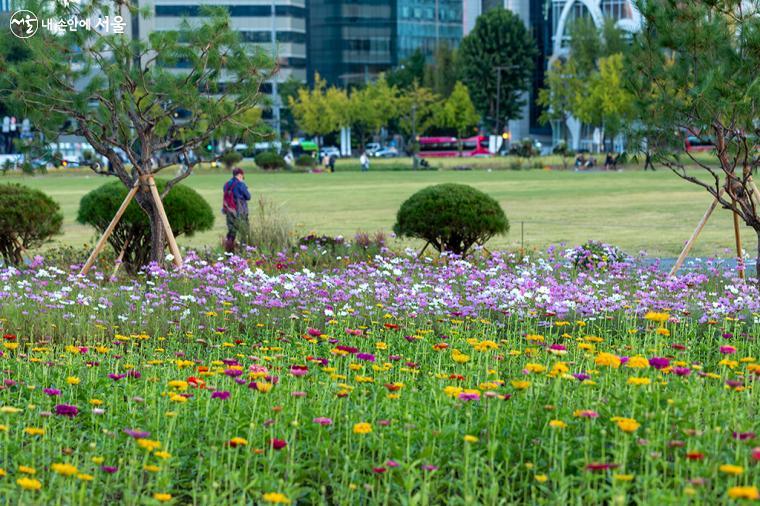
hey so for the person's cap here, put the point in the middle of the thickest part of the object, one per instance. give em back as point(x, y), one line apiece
point(237, 171)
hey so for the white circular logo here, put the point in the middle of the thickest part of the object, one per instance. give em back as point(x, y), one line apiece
point(24, 24)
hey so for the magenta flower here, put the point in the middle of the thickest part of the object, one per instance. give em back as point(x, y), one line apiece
point(299, 370)
point(66, 410)
point(391, 463)
point(52, 392)
point(321, 420)
point(727, 350)
point(117, 377)
point(233, 373)
point(109, 469)
point(314, 332)
point(369, 357)
point(221, 395)
point(137, 433)
point(682, 371)
point(278, 444)
point(659, 362)
point(429, 467)
point(464, 396)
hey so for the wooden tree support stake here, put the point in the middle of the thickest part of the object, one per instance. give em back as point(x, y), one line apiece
point(419, 255)
point(693, 238)
point(738, 237)
point(165, 220)
point(109, 230)
point(120, 258)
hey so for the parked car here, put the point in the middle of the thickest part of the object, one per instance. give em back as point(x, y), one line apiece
point(371, 148)
point(329, 151)
point(387, 152)
point(694, 143)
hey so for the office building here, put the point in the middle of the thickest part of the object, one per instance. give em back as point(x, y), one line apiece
point(351, 42)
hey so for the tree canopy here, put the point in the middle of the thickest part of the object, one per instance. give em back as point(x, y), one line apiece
point(500, 42)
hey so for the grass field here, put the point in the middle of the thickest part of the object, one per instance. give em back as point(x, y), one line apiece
point(635, 210)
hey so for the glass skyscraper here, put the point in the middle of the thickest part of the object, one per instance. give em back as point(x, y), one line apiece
point(424, 24)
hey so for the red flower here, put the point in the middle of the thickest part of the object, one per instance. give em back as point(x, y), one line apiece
point(9, 337)
point(392, 387)
point(598, 466)
point(391, 326)
point(196, 382)
point(756, 454)
point(278, 444)
point(379, 470)
point(695, 455)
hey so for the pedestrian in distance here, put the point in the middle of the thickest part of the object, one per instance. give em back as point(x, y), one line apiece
point(332, 163)
point(235, 209)
point(364, 161)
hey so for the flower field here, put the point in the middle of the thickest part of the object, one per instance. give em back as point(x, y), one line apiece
point(388, 381)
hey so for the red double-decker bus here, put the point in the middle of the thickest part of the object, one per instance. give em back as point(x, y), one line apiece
point(431, 147)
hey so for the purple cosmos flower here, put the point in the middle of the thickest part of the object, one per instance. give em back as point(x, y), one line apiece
point(117, 377)
point(109, 469)
point(221, 395)
point(682, 371)
point(233, 373)
point(369, 357)
point(581, 376)
point(321, 420)
point(137, 433)
point(66, 410)
point(52, 392)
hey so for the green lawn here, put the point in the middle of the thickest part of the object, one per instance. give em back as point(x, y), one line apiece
point(634, 210)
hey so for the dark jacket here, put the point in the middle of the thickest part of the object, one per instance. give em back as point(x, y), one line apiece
point(241, 194)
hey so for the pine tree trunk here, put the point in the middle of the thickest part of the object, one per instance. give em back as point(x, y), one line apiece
point(157, 234)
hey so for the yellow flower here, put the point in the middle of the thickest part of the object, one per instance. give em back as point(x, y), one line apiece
point(238, 441)
point(29, 483)
point(638, 381)
point(3, 428)
point(9, 410)
point(27, 470)
point(178, 385)
point(623, 477)
point(744, 493)
point(535, 368)
point(626, 424)
point(34, 431)
point(541, 478)
point(96, 402)
point(97, 460)
point(263, 386)
point(177, 398)
point(653, 316)
point(459, 358)
point(452, 391)
point(520, 384)
point(148, 444)
point(731, 469)
point(73, 380)
point(608, 360)
point(276, 498)
point(64, 469)
point(557, 424)
point(637, 362)
point(163, 455)
point(10, 346)
point(151, 468)
point(470, 439)
point(85, 477)
point(2, 472)
point(362, 428)
point(160, 497)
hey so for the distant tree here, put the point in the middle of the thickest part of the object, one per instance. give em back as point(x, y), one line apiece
point(694, 71)
point(589, 83)
point(313, 112)
point(499, 43)
point(410, 70)
point(458, 113)
point(443, 72)
point(287, 90)
point(373, 107)
point(133, 97)
point(418, 107)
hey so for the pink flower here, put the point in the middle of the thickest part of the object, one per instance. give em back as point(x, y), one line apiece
point(221, 395)
point(299, 370)
point(727, 350)
point(323, 421)
point(756, 454)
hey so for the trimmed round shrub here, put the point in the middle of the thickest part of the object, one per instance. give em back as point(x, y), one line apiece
point(452, 217)
point(230, 158)
point(269, 160)
point(187, 211)
point(305, 161)
point(28, 218)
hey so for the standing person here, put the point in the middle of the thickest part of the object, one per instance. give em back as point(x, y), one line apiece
point(364, 161)
point(235, 208)
point(332, 163)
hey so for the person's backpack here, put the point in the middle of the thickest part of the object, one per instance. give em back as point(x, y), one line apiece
point(229, 206)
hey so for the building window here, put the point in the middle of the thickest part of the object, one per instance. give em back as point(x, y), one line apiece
point(617, 9)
